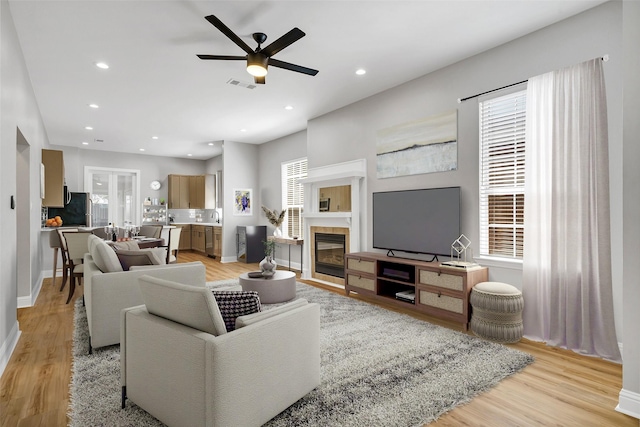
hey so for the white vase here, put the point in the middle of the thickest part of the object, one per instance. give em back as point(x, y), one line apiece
point(268, 266)
point(277, 232)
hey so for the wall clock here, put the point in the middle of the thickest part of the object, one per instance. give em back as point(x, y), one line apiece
point(155, 185)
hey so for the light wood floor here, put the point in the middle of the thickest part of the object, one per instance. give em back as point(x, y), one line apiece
point(560, 389)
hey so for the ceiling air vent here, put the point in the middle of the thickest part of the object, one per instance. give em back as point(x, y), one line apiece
point(235, 82)
point(98, 140)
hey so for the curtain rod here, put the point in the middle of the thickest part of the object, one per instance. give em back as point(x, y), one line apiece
point(604, 58)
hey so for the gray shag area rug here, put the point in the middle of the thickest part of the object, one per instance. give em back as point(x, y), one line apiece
point(378, 368)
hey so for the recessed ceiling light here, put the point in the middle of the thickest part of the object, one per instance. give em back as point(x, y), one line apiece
point(361, 72)
point(98, 183)
point(189, 155)
point(154, 137)
point(88, 128)
point(94, 106)
point(102, 65)
point(85, 143)
point(288, 107)
point(142, 149)
point(243, 130)
point(211, 143)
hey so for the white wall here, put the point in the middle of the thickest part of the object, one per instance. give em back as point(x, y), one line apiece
point(151, 167)
point(271, 156)
point(630, 394)
point(350, 133)
point(18, 110)
point(240, 165)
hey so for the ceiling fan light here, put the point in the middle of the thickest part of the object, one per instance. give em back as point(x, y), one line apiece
point(257, 64)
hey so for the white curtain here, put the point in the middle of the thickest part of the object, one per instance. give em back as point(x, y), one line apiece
point(567, 249)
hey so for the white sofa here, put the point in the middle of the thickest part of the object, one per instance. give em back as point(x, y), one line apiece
point(108, 289)
point(183, 367)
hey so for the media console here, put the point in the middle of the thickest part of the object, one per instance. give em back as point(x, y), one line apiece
point(440, 291)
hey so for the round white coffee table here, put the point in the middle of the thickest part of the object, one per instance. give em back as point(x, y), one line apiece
point(280, 287)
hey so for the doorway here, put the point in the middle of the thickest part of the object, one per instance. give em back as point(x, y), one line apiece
point(23, 235)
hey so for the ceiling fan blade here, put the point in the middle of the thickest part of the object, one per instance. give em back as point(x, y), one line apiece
point(284, 41)
point(292, 67)
point(223, 57)
point(259, 80)
point(227, 32)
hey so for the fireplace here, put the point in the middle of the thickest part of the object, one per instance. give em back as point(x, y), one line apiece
point(329, 254)
point(347, 222)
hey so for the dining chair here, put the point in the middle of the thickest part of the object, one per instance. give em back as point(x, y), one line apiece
point(174, 243)
point(77, 245)
point(151, 231)
point(64, 253)
point(99, 231)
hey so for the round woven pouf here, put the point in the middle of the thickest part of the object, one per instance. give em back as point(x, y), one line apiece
point(497, 312)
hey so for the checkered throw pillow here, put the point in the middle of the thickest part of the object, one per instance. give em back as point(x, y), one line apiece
point(233, 304)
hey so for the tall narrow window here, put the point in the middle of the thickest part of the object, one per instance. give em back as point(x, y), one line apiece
point(293, 195)
point(502, 148)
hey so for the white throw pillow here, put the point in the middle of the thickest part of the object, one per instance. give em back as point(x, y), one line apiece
point(188, 305)
point(105, 258)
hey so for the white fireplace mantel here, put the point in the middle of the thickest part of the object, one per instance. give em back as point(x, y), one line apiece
point(351, 173)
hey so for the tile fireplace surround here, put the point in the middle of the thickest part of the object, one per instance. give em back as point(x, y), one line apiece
point(352, 224)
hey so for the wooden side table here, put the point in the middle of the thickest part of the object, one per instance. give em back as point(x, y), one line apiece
point(290, 242)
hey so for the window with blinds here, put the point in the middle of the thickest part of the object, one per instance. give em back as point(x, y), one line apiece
point(293, 196)
point(502, 148)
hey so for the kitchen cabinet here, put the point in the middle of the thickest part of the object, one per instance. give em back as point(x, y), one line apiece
point(198, 238)
point(53, 178)
point(185, 237)
point(192, 191)
point(217, 242)
point(249, 243)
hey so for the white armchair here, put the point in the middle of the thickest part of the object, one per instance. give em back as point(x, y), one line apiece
point(107, 290)
point(180, 364)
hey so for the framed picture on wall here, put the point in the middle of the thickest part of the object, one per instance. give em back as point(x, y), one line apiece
point(242, 202)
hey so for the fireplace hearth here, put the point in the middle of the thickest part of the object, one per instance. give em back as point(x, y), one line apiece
point(329, 254)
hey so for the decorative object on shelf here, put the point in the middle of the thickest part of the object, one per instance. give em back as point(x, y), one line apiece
point(268, 264)
point(162, 201)
point(275, 219)
point(460, 247)
point(155, 185)
point(242, 202)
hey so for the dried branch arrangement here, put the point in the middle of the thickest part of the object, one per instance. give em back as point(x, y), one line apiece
point(273, 216)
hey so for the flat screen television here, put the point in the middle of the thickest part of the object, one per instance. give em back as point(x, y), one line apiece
point(425, 221)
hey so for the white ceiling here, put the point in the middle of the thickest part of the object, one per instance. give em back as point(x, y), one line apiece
point(156, 86)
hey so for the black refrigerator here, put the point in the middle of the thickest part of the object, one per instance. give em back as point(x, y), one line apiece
point(249, 238)
point(76, 212)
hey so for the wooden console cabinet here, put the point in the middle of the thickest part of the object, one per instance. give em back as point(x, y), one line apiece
point(441, 292)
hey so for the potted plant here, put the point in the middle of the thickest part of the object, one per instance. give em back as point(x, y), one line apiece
point(268, 264)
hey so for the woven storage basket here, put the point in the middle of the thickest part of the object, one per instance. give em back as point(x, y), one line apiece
point(497, 312)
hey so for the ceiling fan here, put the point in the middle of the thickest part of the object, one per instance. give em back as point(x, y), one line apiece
point(259, 59)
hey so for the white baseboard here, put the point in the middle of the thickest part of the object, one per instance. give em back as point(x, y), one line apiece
point(284, 263)
point(30, 300)
point(8, 346)
point(629, 403)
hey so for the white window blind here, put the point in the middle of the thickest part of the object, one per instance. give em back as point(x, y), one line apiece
point(293, 196)
point(502, 148)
